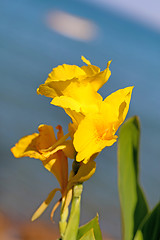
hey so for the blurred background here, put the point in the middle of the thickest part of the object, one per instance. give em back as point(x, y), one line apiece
point(37, 35)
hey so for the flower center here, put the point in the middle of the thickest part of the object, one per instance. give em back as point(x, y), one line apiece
point(105, 132)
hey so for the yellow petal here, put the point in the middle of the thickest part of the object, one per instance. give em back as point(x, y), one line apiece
point(93, 148)
point(54, 209)
point(58, 165)
point(84, 173)
point(55, 88)
point(90, 136)
point(69, 149)
point(44, 205)
point(65, 72)
point(90, 71)
point(49, 162)
point(76, 118)
point(82, 93)
point(119, 101)
point(46, 90)
point(80, 98)
point(26, 147)
point(61, 79)
point(85, 60)
point(97, 131)
point(56, 149)
point(58, 144)
point(46, 137)
point(66, 102)
point(67, 201)
point(99, 78)
point(85, 96)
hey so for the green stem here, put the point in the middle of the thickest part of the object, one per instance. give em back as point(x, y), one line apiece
point(73, 223)
point(63, 222)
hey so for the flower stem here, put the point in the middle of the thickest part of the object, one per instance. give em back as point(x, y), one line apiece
point(73, 223)
point(63, 222)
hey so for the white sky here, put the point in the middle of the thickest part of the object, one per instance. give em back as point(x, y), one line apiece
point(145, 11)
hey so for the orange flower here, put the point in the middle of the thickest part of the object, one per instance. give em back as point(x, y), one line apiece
point(53, 154)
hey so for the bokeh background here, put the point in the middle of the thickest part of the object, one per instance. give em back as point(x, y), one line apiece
point(37, 35)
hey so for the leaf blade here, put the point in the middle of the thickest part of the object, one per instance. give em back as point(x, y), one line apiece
point(132, 200)
point(93, 224)
point(88, 235)
point(150, 226)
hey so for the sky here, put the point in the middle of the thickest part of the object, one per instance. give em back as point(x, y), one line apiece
point(145, 11)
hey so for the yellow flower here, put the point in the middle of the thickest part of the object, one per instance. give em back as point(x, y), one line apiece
point(53, 154)
point(75, 88)
point(97, 130)
point(94, 120)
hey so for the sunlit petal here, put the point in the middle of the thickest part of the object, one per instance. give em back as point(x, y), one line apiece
point(98, 79)
point(93, 134)
point(66, 102)
point(44, 205)
point(67, 201)
point(55, 208)
point(85, 60)
point(69, 149)
point(26, 147)
point(119, 101)
point(84, 173)
point(46, 137)
point(65, 72)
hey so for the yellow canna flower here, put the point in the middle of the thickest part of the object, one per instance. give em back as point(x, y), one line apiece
point(75, 88)
point(94, 120)
point(97, 130)
point(55, 160)
point(53, 153)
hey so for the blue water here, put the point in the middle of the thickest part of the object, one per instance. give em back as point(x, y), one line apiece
point(29, 49)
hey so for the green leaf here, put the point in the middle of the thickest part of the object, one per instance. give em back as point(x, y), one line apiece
point(88, 236)
point(150, 226)
point(133, 203)
point(93, 224)
point(141, 209)
point(139, 235)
